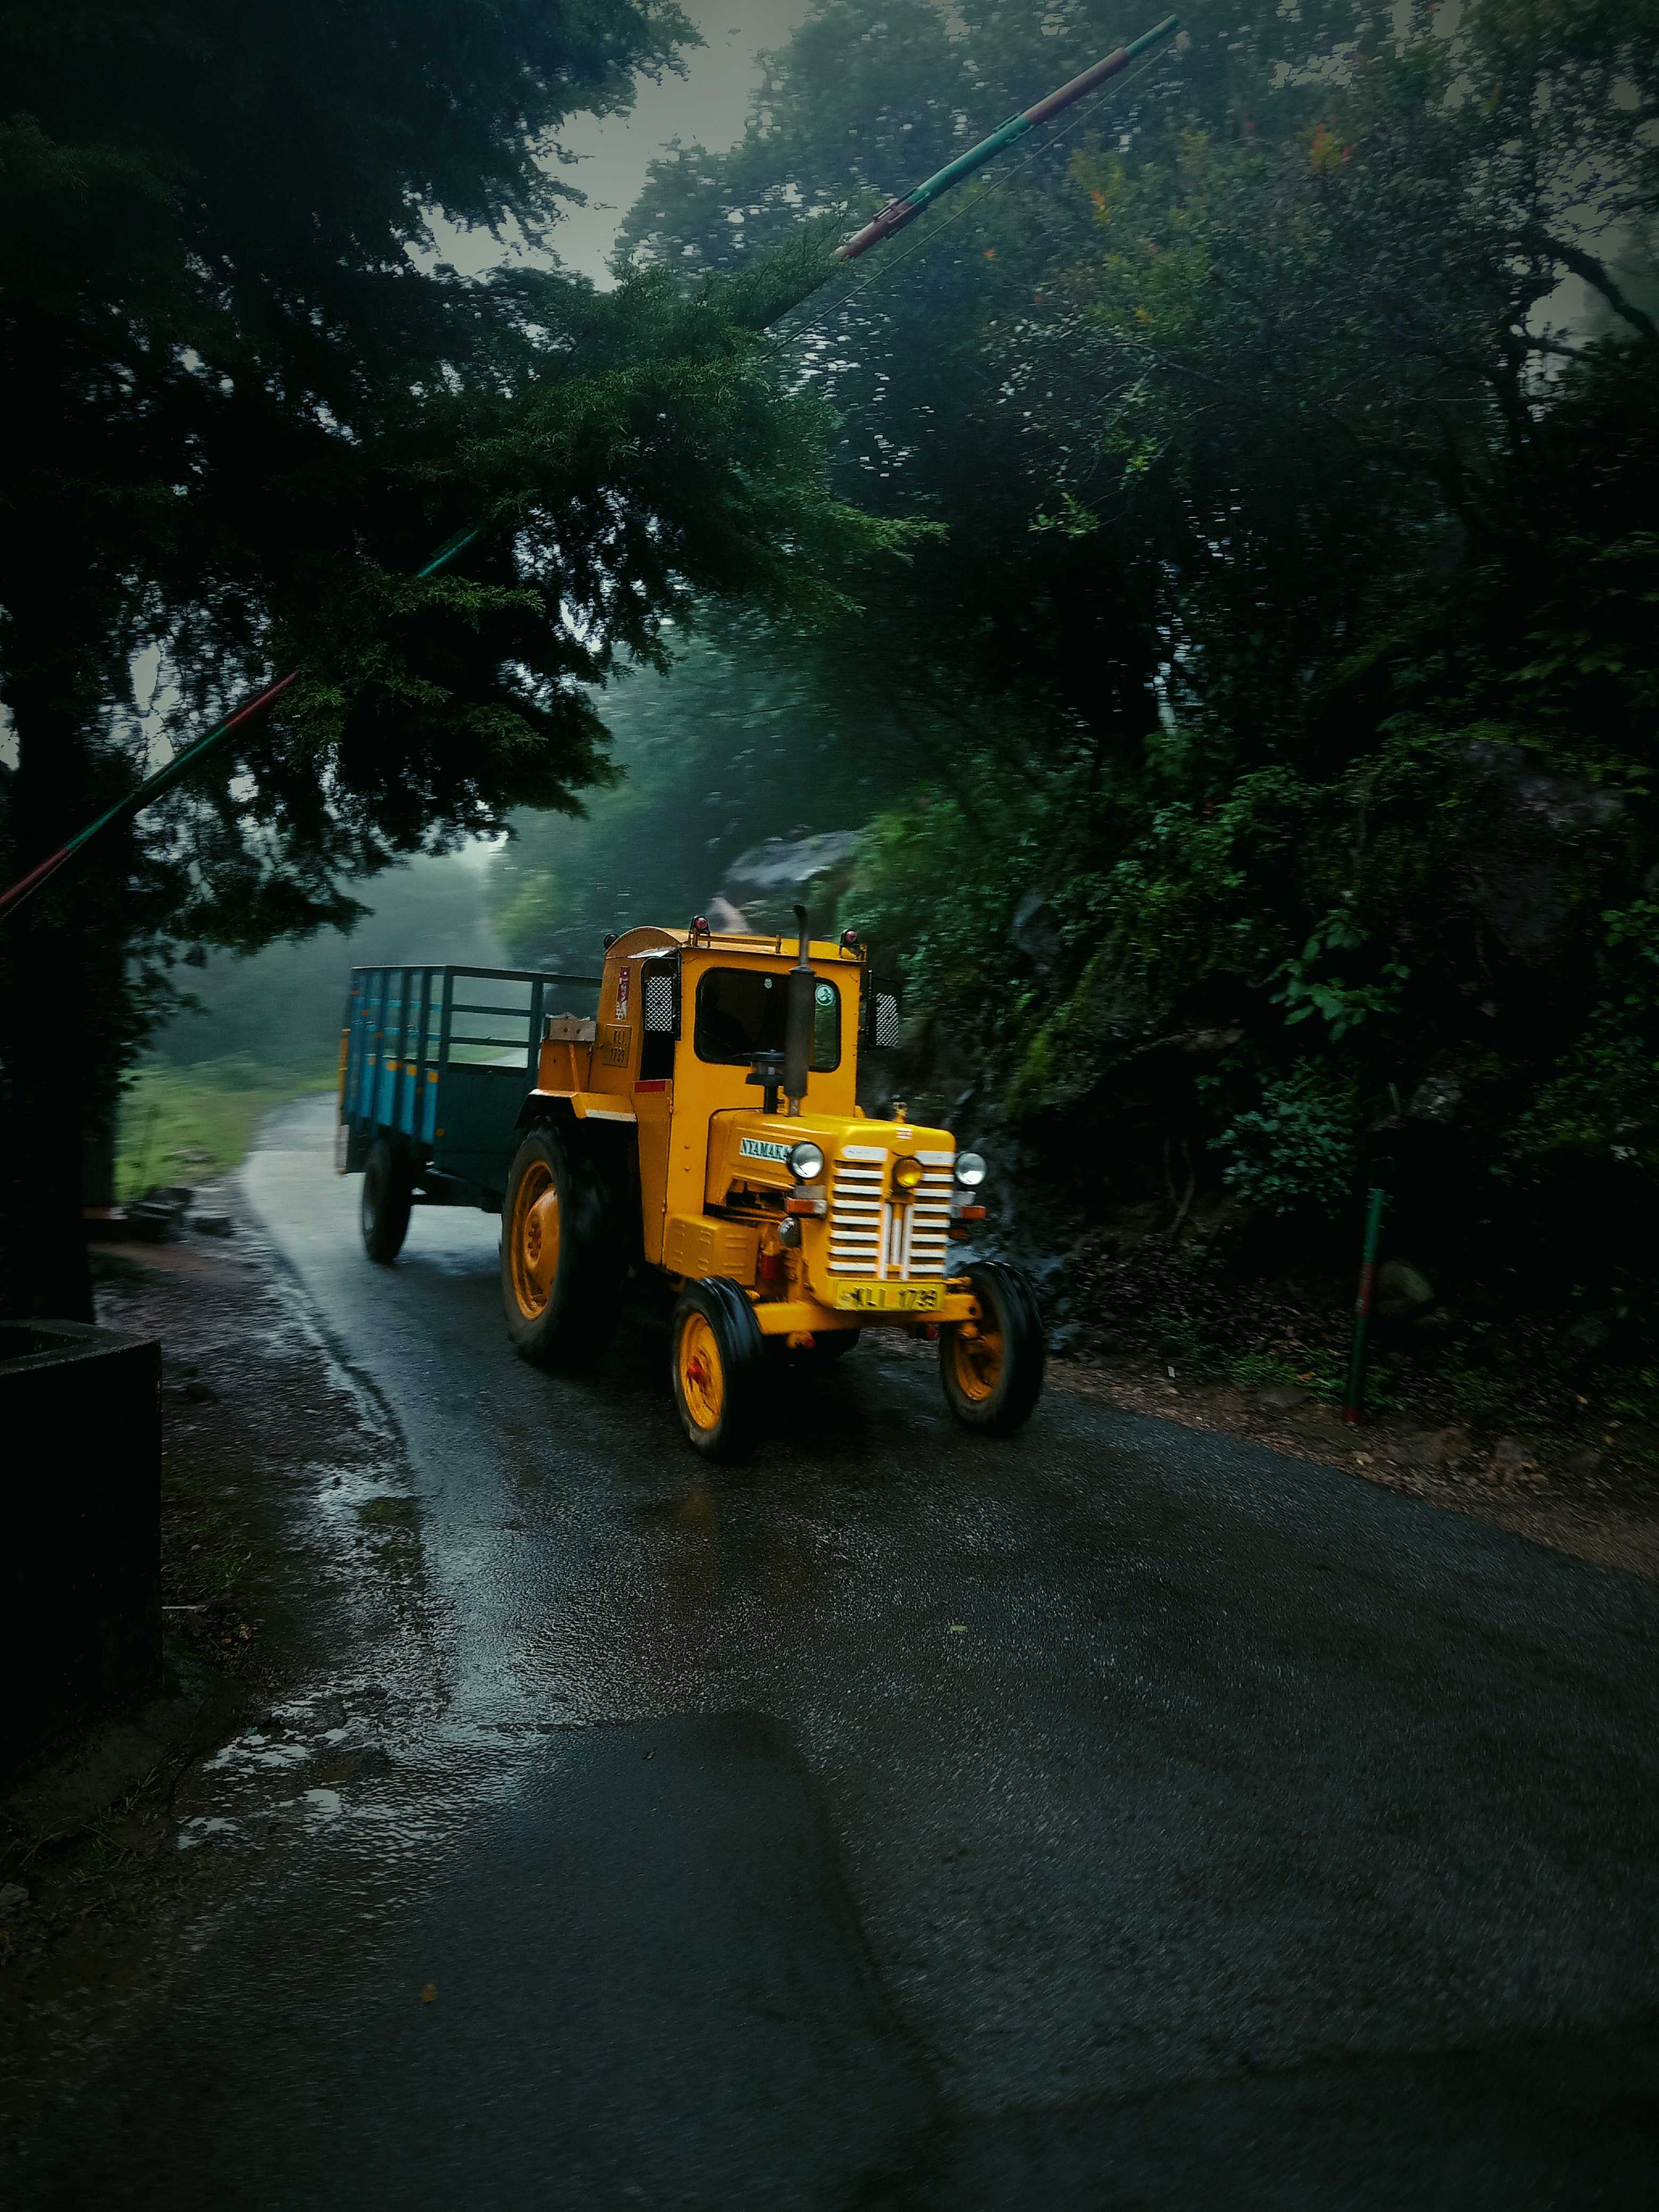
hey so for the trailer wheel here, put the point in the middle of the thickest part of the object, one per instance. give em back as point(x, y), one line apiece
point(388, 1193)
point(561, 1252)
point(992, 1370)
point(718, 1361)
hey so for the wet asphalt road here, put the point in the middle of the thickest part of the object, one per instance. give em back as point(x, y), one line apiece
point(1122, 1816)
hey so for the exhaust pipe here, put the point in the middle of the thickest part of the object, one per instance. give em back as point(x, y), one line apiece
point(798, 1012)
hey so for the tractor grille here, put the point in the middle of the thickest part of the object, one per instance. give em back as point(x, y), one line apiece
point(871, 1237)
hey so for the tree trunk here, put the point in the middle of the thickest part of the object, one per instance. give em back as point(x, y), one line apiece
point(62, 974)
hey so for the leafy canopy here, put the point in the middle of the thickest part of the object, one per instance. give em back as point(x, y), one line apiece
point(256, 405)
point(1291, 654)
point(248, 403)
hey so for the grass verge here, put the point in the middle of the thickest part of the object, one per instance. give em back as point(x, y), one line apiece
point(184, 1121)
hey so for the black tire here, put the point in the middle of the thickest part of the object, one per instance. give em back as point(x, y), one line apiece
point(388, 1195)
point(996, 1399)
point(566, 1320)
point(714, 1321)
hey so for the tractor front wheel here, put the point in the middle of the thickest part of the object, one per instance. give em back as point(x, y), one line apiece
point(388, 1193)
point(992, 1369)
point(718, 1362)
point(562, 1257)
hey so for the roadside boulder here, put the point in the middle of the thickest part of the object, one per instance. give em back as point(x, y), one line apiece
point(769, 879)
point(154, 1219)
point(1401, 1290)
point(1279, 1397)
point(1512, 1459)
point(1434, 1450)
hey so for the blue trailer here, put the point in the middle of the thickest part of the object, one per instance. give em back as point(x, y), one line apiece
point(435, 1066)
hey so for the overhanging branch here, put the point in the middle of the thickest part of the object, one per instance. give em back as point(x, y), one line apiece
point(1595, 274)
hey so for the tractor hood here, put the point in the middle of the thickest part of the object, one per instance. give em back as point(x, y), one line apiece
point(875, 1217)
point(749, 1151)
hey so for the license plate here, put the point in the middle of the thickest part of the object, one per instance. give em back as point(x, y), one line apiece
point(889, 1297)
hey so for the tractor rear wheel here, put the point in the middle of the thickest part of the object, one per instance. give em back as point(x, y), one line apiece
point(563, 1254)
point(388, 1193)
point(992, 1369)
point(718, 1362)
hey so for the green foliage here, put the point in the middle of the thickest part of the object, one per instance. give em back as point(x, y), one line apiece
point(1293, 645)
point(185, 1124)
point(1304, 991)
point(1297, 1148)
point(256, 402)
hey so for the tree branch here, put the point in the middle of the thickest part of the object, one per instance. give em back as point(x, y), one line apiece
point(1595, 274)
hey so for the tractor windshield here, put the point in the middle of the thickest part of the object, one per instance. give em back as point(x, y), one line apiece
point(740, 1011)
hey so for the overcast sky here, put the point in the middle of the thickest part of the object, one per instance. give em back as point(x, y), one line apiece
point(707, 105)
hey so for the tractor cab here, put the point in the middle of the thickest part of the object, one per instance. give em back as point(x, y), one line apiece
point(705, 1124)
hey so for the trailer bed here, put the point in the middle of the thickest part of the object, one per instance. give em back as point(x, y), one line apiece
point(438, 1061)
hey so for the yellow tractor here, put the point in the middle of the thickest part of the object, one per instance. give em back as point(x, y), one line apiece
point(705, 1124)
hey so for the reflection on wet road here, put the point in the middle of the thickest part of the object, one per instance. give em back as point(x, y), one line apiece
point(1220, 1829)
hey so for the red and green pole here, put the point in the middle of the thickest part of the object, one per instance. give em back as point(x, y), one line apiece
point(181, 764)
point(898, 212)
point(893, 217)
point(1354, 1404)
point(136, 801)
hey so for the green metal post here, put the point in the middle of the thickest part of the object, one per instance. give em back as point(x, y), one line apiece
point(1353, 1405)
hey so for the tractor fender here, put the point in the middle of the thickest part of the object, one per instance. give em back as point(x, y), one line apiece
point(545, 1106)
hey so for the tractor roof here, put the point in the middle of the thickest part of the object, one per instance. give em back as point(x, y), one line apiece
point(640, 943)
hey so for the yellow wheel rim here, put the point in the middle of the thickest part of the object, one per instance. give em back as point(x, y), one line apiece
point(976, 1363)
point(702, 1379)
point(535, 1239)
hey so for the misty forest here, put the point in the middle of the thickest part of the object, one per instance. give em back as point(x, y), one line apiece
point(830, 1105)
point(1190, 603)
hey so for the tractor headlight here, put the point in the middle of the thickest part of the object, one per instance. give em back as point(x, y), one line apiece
point(806, 1162)
point(971, 1169)
point(907, 1174)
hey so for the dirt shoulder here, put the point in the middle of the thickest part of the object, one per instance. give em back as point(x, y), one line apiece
point(1594, 1498)
point(292, 1584)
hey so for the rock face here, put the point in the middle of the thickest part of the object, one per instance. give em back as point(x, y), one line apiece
point(1035, 931)
point(765, 882)
point(1436, 1099)
point(1521, 890)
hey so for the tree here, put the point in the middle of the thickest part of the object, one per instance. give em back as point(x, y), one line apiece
point(1292, 641)
point(866, 99)
point(252, 407)
point(1391, 851)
